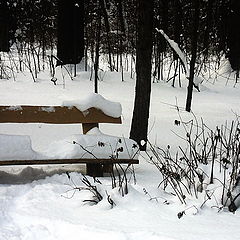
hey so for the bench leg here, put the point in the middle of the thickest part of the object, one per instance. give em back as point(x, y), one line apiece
point(88, 126)
point(94, 169)
point(108, 168)
point(97, 170)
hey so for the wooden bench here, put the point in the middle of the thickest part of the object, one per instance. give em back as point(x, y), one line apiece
point(62, 115)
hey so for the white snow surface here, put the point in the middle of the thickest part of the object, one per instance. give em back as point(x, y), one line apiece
point(41, 203)
point(14, 147)
point(110, 108)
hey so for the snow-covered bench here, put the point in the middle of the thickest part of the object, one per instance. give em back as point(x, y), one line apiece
point(98, 151)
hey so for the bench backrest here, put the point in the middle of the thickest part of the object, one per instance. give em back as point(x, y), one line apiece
point(55, 115)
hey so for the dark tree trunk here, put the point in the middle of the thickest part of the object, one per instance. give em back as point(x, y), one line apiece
point(194, 42)
point(120, 16)
point(143, 70)
point(4, 27)
point(70, 31)
point(233, 36)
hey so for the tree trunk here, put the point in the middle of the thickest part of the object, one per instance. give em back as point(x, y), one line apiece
point(120, 16)
point(4, 27)
point(143, 69)
point(193, 54)
point(70, 31)
point(233, 35)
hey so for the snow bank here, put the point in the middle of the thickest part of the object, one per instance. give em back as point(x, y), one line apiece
point(13, 147)
point(113, 109)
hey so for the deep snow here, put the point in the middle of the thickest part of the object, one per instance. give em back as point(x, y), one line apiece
point(39, 203)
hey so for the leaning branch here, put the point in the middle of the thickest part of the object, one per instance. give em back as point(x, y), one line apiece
point(181, 55)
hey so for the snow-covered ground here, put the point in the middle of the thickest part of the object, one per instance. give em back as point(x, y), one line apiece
point(40, 203)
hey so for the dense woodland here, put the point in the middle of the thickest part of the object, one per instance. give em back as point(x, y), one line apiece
point(35, 22)
point(127, 33)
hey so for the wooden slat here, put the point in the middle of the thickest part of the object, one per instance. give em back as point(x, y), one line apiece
point(66, 161)
point(53, 115)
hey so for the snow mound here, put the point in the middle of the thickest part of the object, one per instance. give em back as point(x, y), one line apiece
point(113, 109)
point(93, 146)
point(13, 147)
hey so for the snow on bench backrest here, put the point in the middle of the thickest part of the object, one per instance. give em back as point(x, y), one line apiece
point(112, 109)
point(94, 109)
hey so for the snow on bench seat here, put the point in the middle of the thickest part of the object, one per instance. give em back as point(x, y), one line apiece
point(100, 148)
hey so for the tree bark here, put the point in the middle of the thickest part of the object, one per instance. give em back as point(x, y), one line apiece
point(139, 125)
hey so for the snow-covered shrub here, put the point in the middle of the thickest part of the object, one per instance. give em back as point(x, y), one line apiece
point(120, 174)
point(93, 186)
point(94, 190)
point(208, 165)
